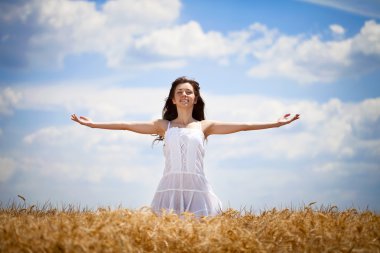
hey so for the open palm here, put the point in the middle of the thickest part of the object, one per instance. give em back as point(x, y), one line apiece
point(81, 120)
point(288, 118)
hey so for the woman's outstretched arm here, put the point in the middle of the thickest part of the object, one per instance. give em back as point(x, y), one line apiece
point(152, 127)
point(216, 127)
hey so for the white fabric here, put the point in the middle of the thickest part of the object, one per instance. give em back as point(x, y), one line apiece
point(184, 187)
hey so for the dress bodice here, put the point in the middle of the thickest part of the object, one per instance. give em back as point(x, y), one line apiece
point(184, 150)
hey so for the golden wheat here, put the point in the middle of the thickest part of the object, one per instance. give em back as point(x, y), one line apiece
point(47, 229)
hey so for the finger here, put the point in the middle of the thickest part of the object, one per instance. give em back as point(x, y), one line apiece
point(75, 118)
point(287, 115)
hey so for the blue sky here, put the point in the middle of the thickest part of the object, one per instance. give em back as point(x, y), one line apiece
point(255, 60)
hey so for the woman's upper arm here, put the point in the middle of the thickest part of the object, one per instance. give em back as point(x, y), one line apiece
point(161, 125)
point(153, 127)
point(216, 127)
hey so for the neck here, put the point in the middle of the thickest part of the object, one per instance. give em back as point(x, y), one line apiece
point(184, 116)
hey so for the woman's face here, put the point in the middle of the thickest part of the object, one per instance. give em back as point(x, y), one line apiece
point(184, 95)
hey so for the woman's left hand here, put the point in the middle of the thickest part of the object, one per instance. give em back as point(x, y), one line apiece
point(288, 118)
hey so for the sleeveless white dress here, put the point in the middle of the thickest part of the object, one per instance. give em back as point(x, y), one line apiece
point(184, 187)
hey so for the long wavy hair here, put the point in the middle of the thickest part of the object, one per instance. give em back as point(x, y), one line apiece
point(169, 112)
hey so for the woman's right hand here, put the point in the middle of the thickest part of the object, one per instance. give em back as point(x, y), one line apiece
point(82, 120)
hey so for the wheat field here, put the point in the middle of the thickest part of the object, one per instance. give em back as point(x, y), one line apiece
point(74, 229)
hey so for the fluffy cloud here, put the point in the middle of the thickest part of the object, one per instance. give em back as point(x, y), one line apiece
point(147, 34)
point(142, 15)
point(188, 40)
point(337, 29)
point(8, 99)
point(368, 40)
point(94, 155)
point(105, 104)
point(332, 130)
point(7, 167)
point(51, 30)
point(313, 60)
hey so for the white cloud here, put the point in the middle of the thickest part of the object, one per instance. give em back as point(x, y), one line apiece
point(82, 153)
point(9, 98)
point(337, 29)
point(60, 28)
point(103, 102)
point(188, 40)
point(7, 168)
point(47, 135)
point(146, 34)
point(304, 60)
point(300, 58)
point(142, 15)
point(330, 129)
point(334, 168)
point(368, 40)
point(313, 60)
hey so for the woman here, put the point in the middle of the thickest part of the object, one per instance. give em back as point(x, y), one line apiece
point(184, 187)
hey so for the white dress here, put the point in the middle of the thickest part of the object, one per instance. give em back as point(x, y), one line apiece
point(184, 187)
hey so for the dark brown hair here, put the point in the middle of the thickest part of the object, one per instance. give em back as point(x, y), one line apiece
point(169, 112)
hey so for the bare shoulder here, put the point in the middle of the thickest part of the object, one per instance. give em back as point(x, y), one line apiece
point(206, 123)
point(206, 126)
point(161, 124)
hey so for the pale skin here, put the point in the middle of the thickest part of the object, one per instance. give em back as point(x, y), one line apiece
point(185, 99)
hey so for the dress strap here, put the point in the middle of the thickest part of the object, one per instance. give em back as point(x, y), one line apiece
point(168, 125)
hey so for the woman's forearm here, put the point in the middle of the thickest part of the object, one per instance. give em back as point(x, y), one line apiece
point(137, 127)
point(258, 126)
point(216, 127)
point(109, 125)
point(151, 127)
